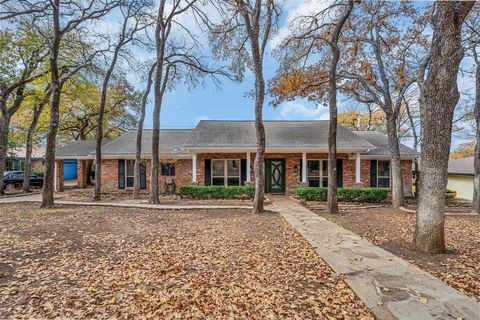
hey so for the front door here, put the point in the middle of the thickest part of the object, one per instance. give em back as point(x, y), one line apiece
point(275, 175)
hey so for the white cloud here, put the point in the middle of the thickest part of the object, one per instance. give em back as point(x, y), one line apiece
point(295, 9)
point(292, 109)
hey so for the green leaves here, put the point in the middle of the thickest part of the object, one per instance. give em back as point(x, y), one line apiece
point(217, 192)
point(366, 195)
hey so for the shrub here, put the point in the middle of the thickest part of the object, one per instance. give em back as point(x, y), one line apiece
point(450, 193)
point(38, 173)
point(217, 192)
point(367, 195)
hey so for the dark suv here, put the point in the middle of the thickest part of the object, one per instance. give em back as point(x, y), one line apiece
point(14, 179)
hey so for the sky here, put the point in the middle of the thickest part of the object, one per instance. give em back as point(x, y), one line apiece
point(184, 108)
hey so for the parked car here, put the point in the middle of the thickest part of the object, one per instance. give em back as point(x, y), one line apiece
point(14, 179)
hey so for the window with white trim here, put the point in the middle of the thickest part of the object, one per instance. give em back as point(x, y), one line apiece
point(129, 173)
point(317, 173)
point(383, 174)
point(225, 172)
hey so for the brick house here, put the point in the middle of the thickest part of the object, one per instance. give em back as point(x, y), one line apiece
point(223, 153)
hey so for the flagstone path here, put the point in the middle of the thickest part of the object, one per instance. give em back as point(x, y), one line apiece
point(391, 287)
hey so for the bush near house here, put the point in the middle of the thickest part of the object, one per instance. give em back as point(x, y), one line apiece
point(367, 195)
point(217, 192)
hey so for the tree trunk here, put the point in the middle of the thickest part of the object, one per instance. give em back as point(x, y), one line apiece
point(437, 105)
point(28, 157)
point(48, 183)
point(29, 146)
point(101, 112)
point(332, 197)
point(258, 204)
point(476, 161)
point(398, 197)
point(159, 88)
point(138, 150)
point(49, 176)
point(4, 127)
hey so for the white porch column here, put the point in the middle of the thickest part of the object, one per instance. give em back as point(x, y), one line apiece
point(55, 177)
point(248, 168)
point(304, 167)
point(194, 168)
point(357, 169)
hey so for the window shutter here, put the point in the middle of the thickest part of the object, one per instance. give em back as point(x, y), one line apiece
point(121, 174)
point(373, 173)
point(208, 173)
point(339, 173)
point(243, 171)
point(143, 177)
point(301, 170)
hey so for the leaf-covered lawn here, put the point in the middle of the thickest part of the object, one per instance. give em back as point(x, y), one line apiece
point(84, 262)
point(393, 230)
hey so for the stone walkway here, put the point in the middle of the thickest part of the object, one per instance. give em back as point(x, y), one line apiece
point(391, 287)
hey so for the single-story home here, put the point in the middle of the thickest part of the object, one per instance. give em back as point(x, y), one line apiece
point(460, 177)
point(223, 153)
point(16, 159)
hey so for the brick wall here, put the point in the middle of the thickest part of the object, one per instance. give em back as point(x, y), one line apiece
point(183, 170)
point(82, 174)
point(60, 179)
point(407, 176)
point(109, 175)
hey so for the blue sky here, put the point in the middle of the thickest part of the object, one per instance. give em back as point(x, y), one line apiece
point(183, 108)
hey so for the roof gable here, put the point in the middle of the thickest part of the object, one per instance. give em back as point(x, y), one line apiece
point(380, 141)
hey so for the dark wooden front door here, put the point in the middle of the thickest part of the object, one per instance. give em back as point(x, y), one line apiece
point(275, 175)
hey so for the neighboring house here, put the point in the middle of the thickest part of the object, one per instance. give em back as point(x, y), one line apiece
point(223, 153)
point(460, 177)
point(16, 159)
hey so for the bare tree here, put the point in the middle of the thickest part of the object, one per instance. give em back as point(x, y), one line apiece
point(141, 119)
point(177, 59)
point(131, 12)
point(248, 22)
point(332, 197)
point(382, 68)
point(316, 37)
point(439, 96)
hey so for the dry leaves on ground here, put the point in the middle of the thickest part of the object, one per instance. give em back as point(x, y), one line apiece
point(84, 262)
point(393, 230)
